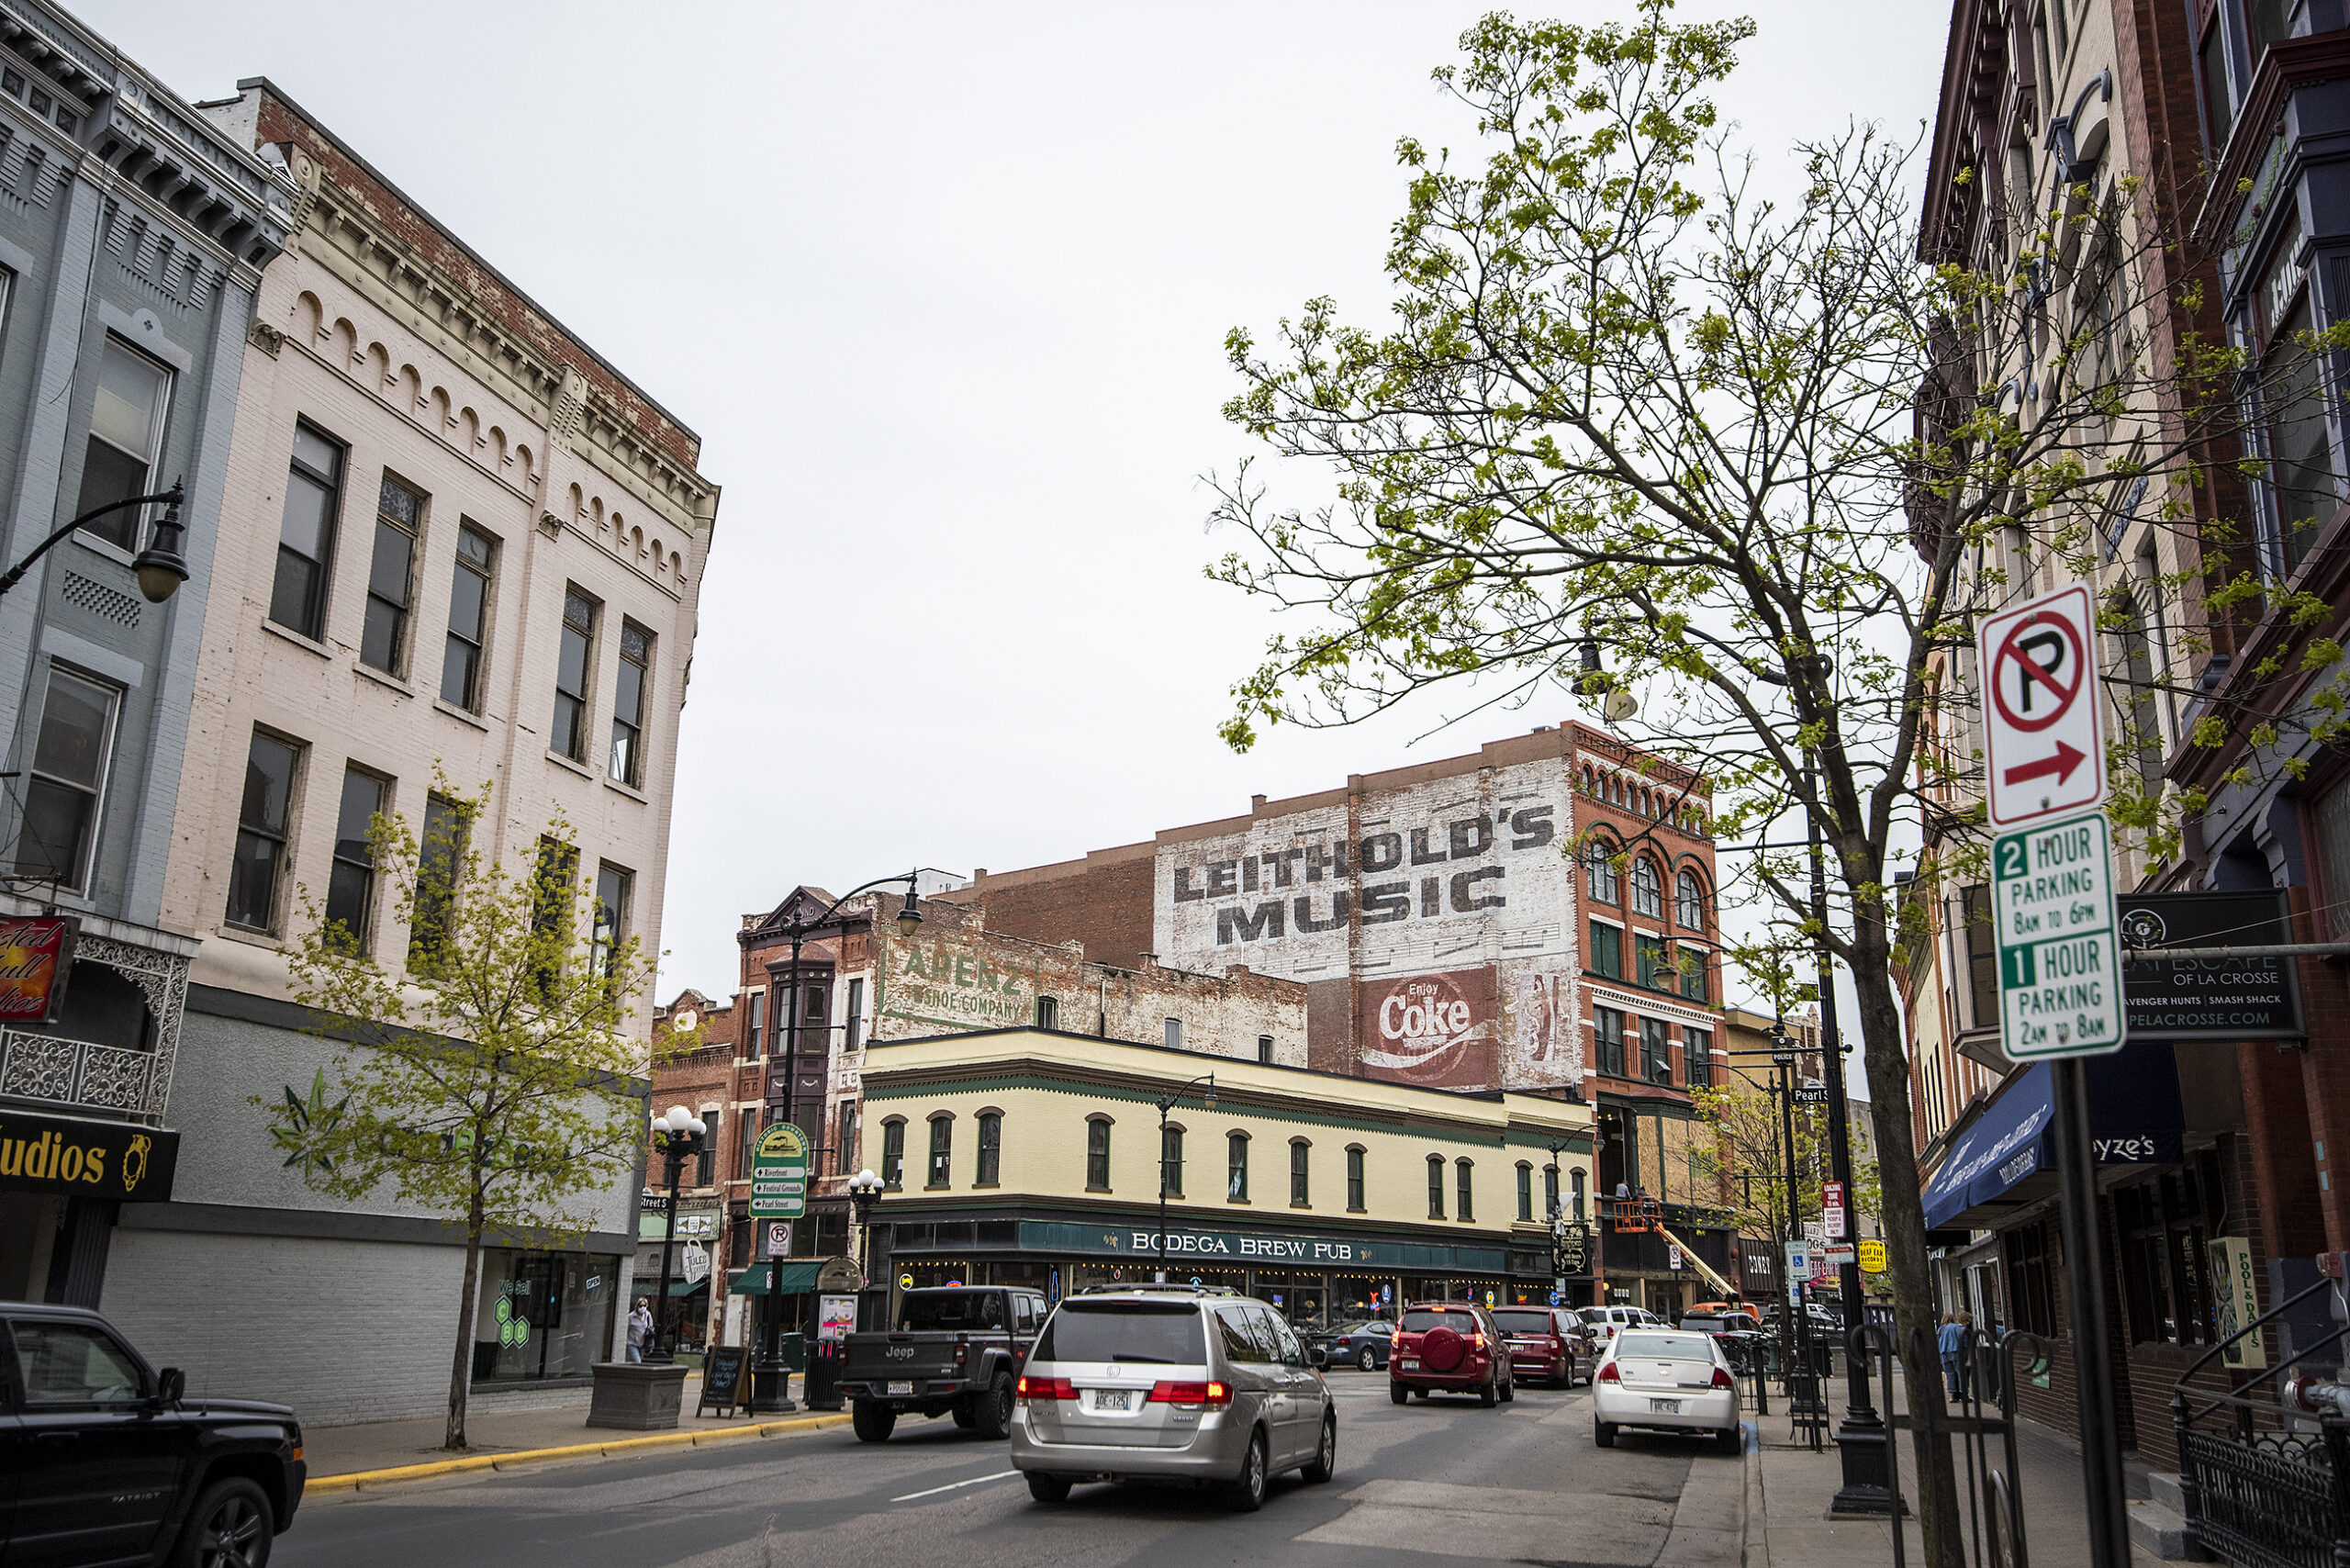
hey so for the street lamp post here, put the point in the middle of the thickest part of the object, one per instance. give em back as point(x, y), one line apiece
point(681, 1134)
point(160, 567)
point(864, 1196)
point(1165, 1103)
point(769, 1373)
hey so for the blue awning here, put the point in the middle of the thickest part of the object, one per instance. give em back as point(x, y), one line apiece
point(2004, 1162)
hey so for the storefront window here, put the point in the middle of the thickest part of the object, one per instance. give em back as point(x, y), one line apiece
point(543, 1315)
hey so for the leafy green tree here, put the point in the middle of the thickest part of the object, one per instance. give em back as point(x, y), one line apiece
point(489, 1080)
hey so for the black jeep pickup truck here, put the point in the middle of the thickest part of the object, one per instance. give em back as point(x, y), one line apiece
point(104, 1459)
point(956, 1349)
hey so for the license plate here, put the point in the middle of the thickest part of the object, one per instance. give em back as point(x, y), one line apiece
point(1665, 1407)
point(901, 1388)
point(1113, 1399)
point(1410, 1365)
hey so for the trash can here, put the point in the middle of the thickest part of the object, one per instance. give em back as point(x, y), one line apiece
point(821, 1389)
point(795, 1352)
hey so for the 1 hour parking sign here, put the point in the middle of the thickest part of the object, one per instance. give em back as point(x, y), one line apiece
point(2060, 951)
point(2043, 755)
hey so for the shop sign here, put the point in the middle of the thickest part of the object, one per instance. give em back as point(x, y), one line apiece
point(697, 1223)
point(1872, 1256)
point(779, 1173)
point(1243, 1248)
point(2239, 1301)
point(2250, 998)
point(694, 1263)
point(87, 1160)
point(36, 959)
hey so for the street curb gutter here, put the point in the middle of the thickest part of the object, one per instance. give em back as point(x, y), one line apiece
point(1753, 1534)
point(368, 1480)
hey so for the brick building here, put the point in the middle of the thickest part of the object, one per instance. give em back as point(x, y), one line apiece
point(1537, 916)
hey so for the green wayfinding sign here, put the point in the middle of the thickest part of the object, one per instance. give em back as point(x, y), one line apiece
point(779, 1173)
point(2060, 954)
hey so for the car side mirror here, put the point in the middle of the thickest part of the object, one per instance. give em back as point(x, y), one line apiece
point(170, 1385)
point(1317, 1358)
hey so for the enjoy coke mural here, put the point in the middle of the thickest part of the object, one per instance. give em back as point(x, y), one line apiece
point(1437, 1030)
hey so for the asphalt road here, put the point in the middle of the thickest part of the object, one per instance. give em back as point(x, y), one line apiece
point(1440, 1478)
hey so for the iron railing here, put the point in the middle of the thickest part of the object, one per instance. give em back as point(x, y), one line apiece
point(81, 1074)
point(1984, 1409)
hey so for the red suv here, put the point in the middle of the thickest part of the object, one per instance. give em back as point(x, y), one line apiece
point(1454, 1346)
point(1547, 1344)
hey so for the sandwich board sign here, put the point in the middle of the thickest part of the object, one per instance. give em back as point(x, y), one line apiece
point(2043, 753)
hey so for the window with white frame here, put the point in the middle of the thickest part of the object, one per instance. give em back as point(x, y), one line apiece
point(64, 788)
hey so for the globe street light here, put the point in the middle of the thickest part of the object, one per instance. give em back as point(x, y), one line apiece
point(864, 1193)
point(681, 1134)
point(160, 567)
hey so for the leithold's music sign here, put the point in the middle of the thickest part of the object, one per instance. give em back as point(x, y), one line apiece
point(36, 956)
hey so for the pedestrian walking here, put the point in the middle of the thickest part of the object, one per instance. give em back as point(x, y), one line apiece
point(1951, 1339)
point(640, 1330)
point(1966, 1344)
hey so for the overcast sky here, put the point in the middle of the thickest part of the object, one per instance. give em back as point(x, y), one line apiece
point(944, 289)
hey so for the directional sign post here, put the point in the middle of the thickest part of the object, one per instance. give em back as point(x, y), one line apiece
point(2043, 753)
point(779, 1173)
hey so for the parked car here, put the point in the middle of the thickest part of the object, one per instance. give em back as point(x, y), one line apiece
point(1606, 1322)
point(1752, 1312)
point(1547, 1344)
point(1162, 1382)
point(1741, 1342)
point(1362, 1343)
point(105, 1459)
point(956, 1349)
point(1667, 1380)
point(1453, 1347)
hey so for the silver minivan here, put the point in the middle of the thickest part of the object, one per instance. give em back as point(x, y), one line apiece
point(1171, 1383)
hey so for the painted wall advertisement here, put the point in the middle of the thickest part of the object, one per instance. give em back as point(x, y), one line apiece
point(1450, 897)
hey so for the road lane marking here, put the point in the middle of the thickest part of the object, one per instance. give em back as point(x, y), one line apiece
point(958, 1485)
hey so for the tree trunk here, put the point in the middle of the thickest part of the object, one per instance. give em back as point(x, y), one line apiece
point(461, 1365)
point(1904, 1223)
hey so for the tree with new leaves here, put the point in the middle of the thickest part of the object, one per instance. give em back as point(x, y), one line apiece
point(1636, 428)
point(487, 1078)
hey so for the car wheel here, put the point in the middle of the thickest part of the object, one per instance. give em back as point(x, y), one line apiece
point(1367, 1359)
point(1730, 1440)
point(1324, 1464)
point(1509, 1391)
point(1488, 1393)
point(995, 1408)
point(874, 1422)
point(1047, 1488)
point(1603, 1433)
point(230, 1528)
point(1248, 1493)
point(966, 1414)
point(1398, 1393)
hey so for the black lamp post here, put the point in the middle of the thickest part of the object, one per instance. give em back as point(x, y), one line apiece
point(160, 567)
point(1165, 1103)
point(769, 1376)
point(864, 1196)
point(682, 1135)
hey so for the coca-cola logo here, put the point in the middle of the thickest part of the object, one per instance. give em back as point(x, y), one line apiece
point(1423, 1026)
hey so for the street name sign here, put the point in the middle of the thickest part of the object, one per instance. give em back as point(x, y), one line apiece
point(2042, 752)
point(2060, 952)
point(779, 1173)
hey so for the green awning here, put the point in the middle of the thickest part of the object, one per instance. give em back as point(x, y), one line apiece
point(794, 1279)
point(687, 1287)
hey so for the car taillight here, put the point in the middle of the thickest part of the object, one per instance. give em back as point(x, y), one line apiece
point(1609, 1373)
point(1044, 1388)
point(1722, 1378)
point(1186, 1396)
point(1477, 1340)
point(1395, 1339)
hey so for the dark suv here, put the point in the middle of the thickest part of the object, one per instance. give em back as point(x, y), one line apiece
point(1449, 1345)
point(102, 1460)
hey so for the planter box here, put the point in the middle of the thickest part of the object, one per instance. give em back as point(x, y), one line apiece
point(637, 1396)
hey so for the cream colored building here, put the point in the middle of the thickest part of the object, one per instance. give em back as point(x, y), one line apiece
point(456, 543)
point(1017, 1156)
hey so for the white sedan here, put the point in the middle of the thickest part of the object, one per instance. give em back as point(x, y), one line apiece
point(1653, 1377)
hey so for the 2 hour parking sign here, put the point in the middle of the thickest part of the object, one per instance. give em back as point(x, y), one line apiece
point(2042, 753)
point(2060, 951)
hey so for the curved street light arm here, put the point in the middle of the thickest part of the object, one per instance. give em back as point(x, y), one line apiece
point(16, 574)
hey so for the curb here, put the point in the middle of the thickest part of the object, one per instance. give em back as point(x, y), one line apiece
point(1754, 1541)
point(368, 1480)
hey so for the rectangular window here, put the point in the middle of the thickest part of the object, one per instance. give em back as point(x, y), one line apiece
point(1606, 951)
point(259, 872)
point(298, 599)
point(708, 1176)
point(573, 661)
point(2300, 451)
point(752, 1034)
point(1097, 1156)
point(1691, 966)
point(1698, 1056)
point(65, 787)
point(893, 1155)
point(1265, 1048)
point(1982, 954)
point(2330, 819)
point(1654, 970)
point(383, 635)
point(462, 667)
point(613, 885)
point(628, 704)
point(1300, 1185)
point(1525, 1191)
point(1170, 1161)
point(991, 1167)
point(1436, 1186)
point(853, 1024)
point(1656, 1050)
point(1174, 1034)
point(555, 886)
point(2219, 104)
point(351, 884)
point(942, 1151)
point(1462, 1174)
point(1608, 1027)
point(1354, 1181)
point(1236, 1158)
point(125, 438)
point(1551, 1194)
point(1048, 1013)
point(440, 861)
point(749, 1143)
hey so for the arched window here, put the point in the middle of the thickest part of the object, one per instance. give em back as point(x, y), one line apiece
point(1525, 1189)
point(1097, 1153)
point(894, 1153)
point(1235, 1164)
point(1301, 1189)
point(941, 1170)
point(1648, 892)
point(1549, 1192)
point(1689, 902)
point(1465, 1209)
point(1354, 1178)
point(1436, 1186)
point(991, 1167)
point(1599, 872)
point(1578, 1191)
point(1048, 1013)
point(1170, 1159)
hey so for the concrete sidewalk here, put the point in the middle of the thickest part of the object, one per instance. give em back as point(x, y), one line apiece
point(1790, 1488)
point(385, 1445)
